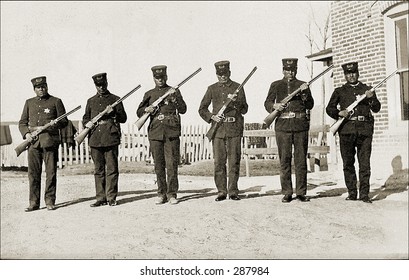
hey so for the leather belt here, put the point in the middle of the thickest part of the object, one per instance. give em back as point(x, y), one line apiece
point(164, 116)
point(229, 119)
point(359, 118)
point(292, 115)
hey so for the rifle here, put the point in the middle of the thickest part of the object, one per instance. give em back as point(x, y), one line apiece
point(34, 135)
point(141, 121)
point(273, 115)
point(215, 125)
point(94, 122)
point(335, 126)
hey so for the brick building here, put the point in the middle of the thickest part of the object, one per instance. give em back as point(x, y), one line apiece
point(375, 34)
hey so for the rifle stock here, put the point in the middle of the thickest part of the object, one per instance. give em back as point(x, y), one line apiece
point(212, 131)
point(23, 146)
point(215, 125)
point(335, 126)
point(34, 135)
point(141, 121)
point(81, 136)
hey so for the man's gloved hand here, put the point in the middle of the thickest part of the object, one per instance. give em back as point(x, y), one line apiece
point(171, 98)
point(369, 93)
point(109, 109)
point(304, 86)
point(279, 106)
point(232, 96)
point(216, 118)
point(89, 125)
point(303, 96)
point(150, 109)
point(343, 113)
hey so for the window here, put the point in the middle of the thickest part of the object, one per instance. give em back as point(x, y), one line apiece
point(401, 34)
point(397, 56)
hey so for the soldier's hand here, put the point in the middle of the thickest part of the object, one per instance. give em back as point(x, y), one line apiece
point(343, 113)
point(171, 91)
point(89, 125)
point(109, 109)
point(150, 109)
point(279, 106)
point(28, 135)
point(216, 118)
point(369, 93)
point(232, 96)
point(304, 86)
point(303, 96)
point(170, 99)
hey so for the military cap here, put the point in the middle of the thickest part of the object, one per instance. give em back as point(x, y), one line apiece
point(159, 71)
point(100, 79)
point(222, 67)
point(290, 63)
point(39, 81)
point(350, 67)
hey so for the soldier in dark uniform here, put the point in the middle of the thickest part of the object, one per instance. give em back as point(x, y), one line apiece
point(227, 141)
point(104, 139)
point(291, 127)
point(37, 112)
point(355, 133)
point(164, 133)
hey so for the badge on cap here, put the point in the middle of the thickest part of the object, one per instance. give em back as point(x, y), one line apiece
point(289, 63)
point(222, 67)
point(39, 81)
point(159, 71)
point(100, 79)
point(350, 67)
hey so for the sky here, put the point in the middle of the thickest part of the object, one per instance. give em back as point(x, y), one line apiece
point(69, 42)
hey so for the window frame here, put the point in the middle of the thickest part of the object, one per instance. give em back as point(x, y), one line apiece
point(393, 86)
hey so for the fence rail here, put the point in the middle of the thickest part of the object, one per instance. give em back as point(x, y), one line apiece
point(134, 146)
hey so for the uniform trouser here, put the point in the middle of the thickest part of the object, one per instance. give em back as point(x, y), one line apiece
point(106, 172)
point(36, 156)
point(166, 155)
point(285, 142)
point(351, 144)
point(227, 150)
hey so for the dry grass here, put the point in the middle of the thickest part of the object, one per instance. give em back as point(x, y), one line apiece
point(202, 168)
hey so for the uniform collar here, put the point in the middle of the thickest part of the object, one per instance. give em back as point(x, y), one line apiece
point(103, 95)
point(228, 84)
point(286, 81)
point(45, 97)
point(357, 84)
point(165, 86)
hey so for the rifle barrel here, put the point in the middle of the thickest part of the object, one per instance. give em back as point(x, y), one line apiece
point(128, 94)
point(384, 80)
point(188, 78)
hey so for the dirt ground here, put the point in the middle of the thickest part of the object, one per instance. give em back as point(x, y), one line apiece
point(258, 227)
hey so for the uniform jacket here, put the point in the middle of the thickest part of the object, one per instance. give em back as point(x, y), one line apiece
point(108, 132)
point(345, 96)
point(165, 122)
point(277, 92)
point(216, 95)
point(39, 111)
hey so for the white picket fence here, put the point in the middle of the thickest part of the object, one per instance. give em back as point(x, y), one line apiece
point(134, 147)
